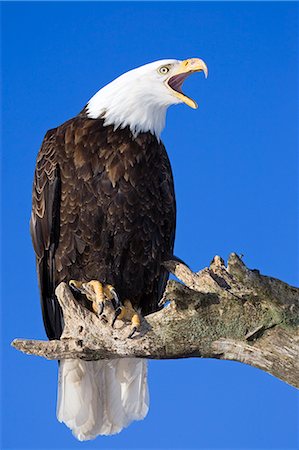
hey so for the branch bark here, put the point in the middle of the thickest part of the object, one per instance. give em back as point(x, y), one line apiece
point(221, 312)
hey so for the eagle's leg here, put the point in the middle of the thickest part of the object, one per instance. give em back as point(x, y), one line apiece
point(127, 313)
point(96, 292)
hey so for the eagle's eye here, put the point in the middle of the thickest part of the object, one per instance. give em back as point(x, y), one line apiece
point(163, 70)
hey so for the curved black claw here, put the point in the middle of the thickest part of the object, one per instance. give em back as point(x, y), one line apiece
point(74, 287)
point(116, 314)
point(132, 332)
point(116, 301)
point(101, 305)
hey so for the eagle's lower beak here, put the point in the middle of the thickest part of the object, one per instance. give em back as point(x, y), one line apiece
point(186, 68)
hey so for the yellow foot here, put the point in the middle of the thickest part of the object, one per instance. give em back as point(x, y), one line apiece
point(127, 313)
point(96, 292)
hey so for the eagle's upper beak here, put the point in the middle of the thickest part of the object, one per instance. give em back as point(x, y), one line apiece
point(186, 68)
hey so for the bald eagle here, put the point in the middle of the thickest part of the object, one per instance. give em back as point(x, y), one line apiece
point(104, 212)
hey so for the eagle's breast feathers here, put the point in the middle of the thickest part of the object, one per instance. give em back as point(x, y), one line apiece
point(104, 208)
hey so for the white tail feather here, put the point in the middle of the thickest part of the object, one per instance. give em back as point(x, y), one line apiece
point(101, 397)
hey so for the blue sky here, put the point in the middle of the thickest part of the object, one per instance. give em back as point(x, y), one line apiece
point(236, 173)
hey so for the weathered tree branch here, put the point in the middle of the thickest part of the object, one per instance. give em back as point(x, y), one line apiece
point(230, 313)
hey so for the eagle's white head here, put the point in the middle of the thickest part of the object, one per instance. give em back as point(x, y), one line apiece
point(140, 98)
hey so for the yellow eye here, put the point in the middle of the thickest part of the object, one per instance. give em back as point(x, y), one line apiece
point(163, 70)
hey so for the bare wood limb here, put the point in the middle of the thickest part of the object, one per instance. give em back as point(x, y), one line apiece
point(230, 313)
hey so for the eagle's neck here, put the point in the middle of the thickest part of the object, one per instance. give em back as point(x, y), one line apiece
point(125, 104)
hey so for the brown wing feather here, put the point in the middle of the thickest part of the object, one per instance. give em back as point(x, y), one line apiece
point(44, 228)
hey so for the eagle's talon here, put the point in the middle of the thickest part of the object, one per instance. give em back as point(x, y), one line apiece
point(76, 286)
point(98, 308)
point(96, 292)
point(117, 313)
point(132, 332)
point(116, 303)
point(101, 309)
point(127, 313)
point(111, 294)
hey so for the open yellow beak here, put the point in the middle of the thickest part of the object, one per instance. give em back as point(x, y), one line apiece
point(185, 69)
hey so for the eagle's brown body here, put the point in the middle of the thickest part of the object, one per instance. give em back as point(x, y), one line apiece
point(104, 209)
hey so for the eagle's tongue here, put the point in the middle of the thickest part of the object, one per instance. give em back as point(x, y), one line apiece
point(177, 81)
